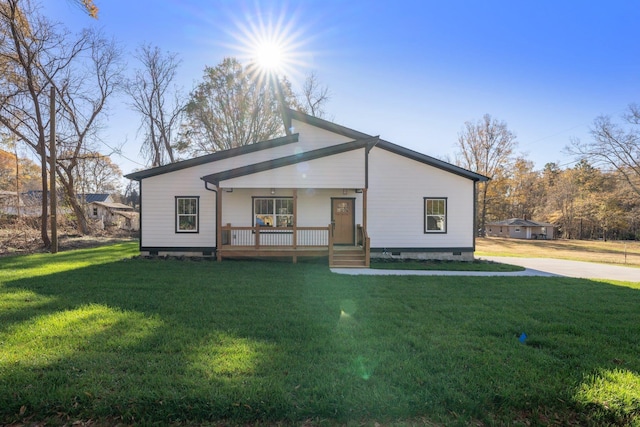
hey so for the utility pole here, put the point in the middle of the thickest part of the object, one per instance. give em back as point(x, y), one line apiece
point(52, 167)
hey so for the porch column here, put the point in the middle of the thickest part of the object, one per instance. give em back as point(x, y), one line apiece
point(295, 224)
point(364, 209)
point(295, 218)
point(219, 223)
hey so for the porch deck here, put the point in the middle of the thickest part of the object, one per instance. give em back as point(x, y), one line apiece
point(294, 242)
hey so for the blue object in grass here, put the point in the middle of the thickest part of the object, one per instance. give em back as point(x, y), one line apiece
point(523, 338)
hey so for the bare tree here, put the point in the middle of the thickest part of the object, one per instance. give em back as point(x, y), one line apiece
point(84, 71)
point(485, 147)
point(96, 173)
point(158, 102)
point(614, 146)
point(233, 107)
point(314, 95)
point(83, 94)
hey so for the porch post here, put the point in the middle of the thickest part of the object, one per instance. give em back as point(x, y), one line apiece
point(295, 218)
point(364, 209)
point(219, 223)
point(295, 224)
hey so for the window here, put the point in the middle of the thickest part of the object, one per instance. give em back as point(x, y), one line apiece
point(187, 214)
point(95, 211)
point(435, 215)
point(273, 212)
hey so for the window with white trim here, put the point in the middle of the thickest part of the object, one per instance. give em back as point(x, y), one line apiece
point(435, 214)
point(273, 211)
point(187, 214)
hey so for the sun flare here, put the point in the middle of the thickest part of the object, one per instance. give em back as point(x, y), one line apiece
point(273, 43)
point(269, 56)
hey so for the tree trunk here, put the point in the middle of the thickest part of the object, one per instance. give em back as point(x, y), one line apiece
point(78, 210)
point(483, 211)
point(45, 197)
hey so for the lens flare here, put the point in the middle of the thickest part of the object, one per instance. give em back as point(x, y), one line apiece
point(274, 43)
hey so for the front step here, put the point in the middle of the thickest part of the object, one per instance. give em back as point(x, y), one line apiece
point(348, 258)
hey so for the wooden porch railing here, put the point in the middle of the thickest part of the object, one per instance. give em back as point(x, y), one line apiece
point(364, 241)
point(286, 241)
point(289, 237)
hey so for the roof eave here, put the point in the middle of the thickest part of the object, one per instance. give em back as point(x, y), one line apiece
point(207, 158)
point(431, 161)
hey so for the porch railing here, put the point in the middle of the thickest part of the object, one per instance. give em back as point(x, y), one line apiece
point(364, 241)
point(291, 237)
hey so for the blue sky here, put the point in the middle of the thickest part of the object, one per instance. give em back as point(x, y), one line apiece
point(411, 71)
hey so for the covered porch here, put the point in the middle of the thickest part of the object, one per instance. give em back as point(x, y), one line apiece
point(283, 224)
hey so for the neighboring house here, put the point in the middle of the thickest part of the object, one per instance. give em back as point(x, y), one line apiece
point(93, 197)
point(10, 203)
point(517, 228)
point(32, 201)
point(323, 190)
point(114, 214)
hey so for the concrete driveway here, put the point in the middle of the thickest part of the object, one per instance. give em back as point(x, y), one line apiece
point(578, 269)
point(533, 267)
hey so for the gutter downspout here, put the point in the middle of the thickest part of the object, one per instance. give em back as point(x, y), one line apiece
point(218, 218)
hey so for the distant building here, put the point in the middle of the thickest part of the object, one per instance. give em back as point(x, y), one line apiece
point(114, 214)
point(10, 203)
point(96, 197)
point(517, 228)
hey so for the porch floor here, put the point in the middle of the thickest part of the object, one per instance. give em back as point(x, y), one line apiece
point(343, 256)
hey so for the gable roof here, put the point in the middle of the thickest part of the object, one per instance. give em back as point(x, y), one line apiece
point(218, 155)
point(291, 115)
point(290, 160)
point(92, 197)
point(113, 205)
point(386, 145)
point(519, 222)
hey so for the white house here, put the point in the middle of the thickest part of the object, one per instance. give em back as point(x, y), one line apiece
point(322, 190)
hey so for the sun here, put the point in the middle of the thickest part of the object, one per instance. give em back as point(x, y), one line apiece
point(273, 43)
point(270, 56)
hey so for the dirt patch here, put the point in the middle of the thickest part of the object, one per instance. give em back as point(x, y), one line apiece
point(610, 252)
point(21, 239)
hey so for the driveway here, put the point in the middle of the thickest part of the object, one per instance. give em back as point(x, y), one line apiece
point(533, 267)
point(578, 269)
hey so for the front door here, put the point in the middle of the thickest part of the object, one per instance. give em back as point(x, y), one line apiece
point(343, 220)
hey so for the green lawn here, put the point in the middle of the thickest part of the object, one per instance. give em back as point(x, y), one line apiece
point(94, 335)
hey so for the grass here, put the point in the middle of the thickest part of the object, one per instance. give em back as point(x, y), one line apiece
point(95, 335)
point(612, 252)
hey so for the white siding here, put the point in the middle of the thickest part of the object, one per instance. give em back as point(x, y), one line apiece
point(397, 188)
point(313, 138)
point(314, 205)
point(159, 192)
point(158, 210)
point(343, 170)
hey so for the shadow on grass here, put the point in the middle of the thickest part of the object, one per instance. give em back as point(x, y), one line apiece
point(155, 341)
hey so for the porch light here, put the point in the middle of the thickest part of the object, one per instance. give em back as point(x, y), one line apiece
point(273, 191)
point(358, 190)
